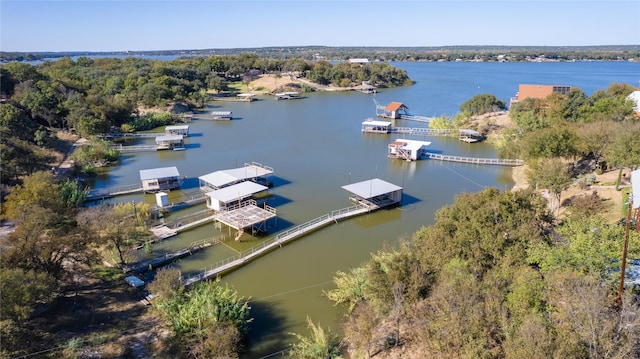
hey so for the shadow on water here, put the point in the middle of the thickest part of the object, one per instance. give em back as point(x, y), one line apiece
point(276, 181)
point(275, 200)
point(192, 145)
point(266, 330)
point(409, 199)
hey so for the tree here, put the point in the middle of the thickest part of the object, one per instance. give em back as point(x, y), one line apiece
point(320, 344)
point(211, 318)
point(166, 283)
point(481, 104)
point(360, 328)
point(121, 226)
point(624, 151)
point(584, 244)
point(21, 290)
point(553, 175)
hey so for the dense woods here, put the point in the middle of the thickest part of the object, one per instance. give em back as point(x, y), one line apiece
point(499, 275)
point(93, 96)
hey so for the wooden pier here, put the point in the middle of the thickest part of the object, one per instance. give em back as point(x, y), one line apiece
point(278, 240)
point(132, 135)
point(134, 148)
point(150, 264)
point(416, 118)
point(475, 160)
point(108, 192)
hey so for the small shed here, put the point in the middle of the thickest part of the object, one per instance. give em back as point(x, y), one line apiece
point(227, 197)
point(182, 130)
point(393, 110)
point(375, 193)
point(170, 142)
point(409, 150)
point(373, 126)
point(160, 179)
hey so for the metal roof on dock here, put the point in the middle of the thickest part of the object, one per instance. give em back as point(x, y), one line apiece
point(371, 188)
point(226, 177)
point(237, 191)
point(162, 172)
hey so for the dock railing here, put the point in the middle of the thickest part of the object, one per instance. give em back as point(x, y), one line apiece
point(278, 239)
point(115, 190)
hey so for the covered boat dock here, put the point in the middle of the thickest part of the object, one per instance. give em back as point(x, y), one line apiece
point(224, 198)
point(409, 150)
point(375, 193)
point(372, 126)
point(254, 171)
point(170, 142)
point(182, 130)
point(160, 179)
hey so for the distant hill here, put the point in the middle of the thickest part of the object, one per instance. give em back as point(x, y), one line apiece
point(433, 53)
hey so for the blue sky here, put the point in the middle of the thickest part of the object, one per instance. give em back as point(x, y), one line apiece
point(119, 25)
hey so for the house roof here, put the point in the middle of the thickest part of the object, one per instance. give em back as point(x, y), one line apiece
point(371, 188)
point(163, 172)
point(395, 106)
point(237, 191)
point(635, 97)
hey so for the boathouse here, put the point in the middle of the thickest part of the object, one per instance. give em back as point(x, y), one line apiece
point(221, 115)
point(170, 142)
point(253, 171)
point(225, 198)
point(470, 136)
point(393, 110)
point(409, 150)
point(160, 179)
point(246, 97)
point(375, 193)
point(182, 130)
point(292, 95)
point(373, 126)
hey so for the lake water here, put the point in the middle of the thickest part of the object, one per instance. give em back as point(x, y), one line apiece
point(315, 146)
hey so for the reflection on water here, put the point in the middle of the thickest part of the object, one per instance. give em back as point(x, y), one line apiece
point(315, 147)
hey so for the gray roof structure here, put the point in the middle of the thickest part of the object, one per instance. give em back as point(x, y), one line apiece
point(226, 177)
point(371, 188)
point(162, 172)
point(237, 191)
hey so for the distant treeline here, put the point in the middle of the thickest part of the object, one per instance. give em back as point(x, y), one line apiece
point(441, 53)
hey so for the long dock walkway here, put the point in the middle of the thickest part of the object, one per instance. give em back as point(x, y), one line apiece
point(416, 118)
point(184, 223)
point(134, 148)
point(278, 240)
point(107, 192)
point(132, 135)
point(474, 160)
point(147, 265)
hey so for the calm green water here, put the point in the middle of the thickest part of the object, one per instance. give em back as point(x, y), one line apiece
point(315, 146)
